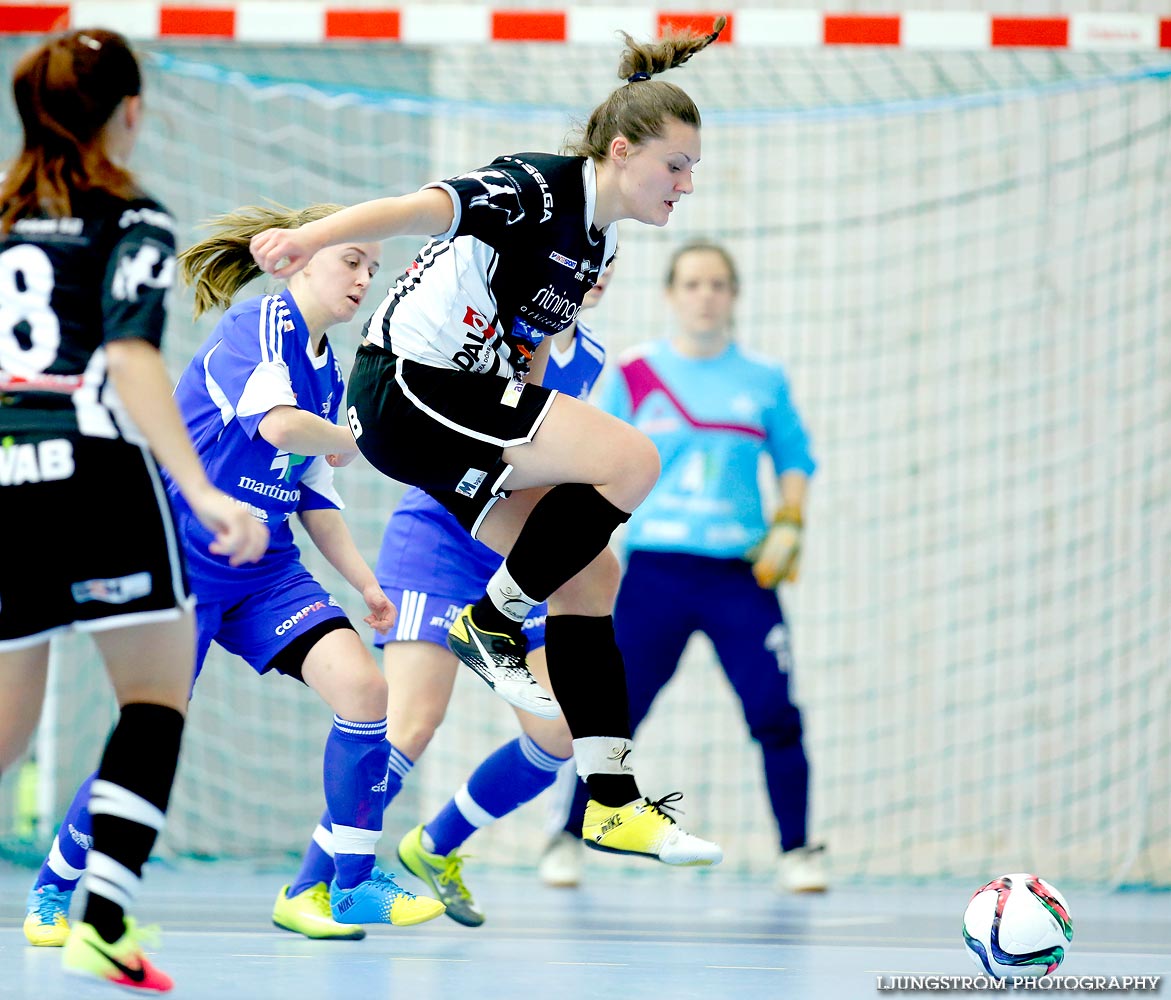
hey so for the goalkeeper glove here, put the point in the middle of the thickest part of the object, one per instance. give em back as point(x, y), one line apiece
point(777, 558)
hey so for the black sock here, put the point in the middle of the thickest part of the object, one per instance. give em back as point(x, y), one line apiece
point(488, 617)
point(589, 681)
point(612, 789)
point(133, 781)
point(547, 553)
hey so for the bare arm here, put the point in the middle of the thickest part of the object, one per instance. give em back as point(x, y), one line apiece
point(329, 533)
point(540, 362)
point(141, 381)
point(422, 213)
point(793, 486)
point(303, 433)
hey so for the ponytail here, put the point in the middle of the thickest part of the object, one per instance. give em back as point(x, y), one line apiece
point(639, 109)
point(220, 265)
point(66, 90)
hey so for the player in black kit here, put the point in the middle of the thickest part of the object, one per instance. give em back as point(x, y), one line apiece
point(445, 395)
point(85, 410)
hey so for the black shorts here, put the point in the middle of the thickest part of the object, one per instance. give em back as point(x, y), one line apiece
point(98, 547)
point(441, 429)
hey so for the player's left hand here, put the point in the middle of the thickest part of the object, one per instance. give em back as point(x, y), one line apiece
point(341, 460)
point(383, 613)
point(282, 252)
point(778, 557)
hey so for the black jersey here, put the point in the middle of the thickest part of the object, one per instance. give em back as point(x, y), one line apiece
point(68, 286)
point(520, 255)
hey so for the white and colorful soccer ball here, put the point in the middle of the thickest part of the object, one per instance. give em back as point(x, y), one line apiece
point(1017, 925)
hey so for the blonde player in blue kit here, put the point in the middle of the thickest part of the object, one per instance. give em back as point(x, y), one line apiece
point(700, 546)
point(427, 564)
point(260, 400)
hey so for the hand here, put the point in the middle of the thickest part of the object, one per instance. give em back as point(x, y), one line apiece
point(341, 460)
point(778, 557)
point(292, 246)
point(383, 613)
point(238, 535)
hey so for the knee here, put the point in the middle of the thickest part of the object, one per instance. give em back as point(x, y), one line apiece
point(635, 466)
point(412, 730)
point(551, 735)
point(367, 694)
point(780, 728)
point(639, 464)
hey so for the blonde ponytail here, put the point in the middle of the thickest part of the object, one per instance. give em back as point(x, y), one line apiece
point(221, 264)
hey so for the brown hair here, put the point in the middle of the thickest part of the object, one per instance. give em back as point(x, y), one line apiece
point(638, 109)
point(66, 90)
point(702, 246)
point(220, 265)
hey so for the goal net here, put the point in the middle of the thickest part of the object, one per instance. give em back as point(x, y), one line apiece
point(962, 260)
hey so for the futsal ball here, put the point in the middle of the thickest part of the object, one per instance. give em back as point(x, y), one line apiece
point(1017, 925)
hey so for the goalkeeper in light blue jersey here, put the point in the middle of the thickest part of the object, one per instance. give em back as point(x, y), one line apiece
point(260, 400)
point(703, 554)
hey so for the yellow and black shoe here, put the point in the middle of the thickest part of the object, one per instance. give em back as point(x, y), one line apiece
point(308, 913)
point(644, 827)
point(499, 660)
point(444, 873)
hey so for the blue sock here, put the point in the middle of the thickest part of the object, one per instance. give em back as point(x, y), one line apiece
point(514, 774)
point(317, 865)
point(356, 764)
point(66, 861)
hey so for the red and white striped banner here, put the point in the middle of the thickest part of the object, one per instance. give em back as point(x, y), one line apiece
point(303, 21)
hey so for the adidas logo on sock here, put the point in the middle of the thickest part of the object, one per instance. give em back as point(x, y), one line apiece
point(380, 787)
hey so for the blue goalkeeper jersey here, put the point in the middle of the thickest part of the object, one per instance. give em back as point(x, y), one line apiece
point(712, 421)
point(437, 556)
point(259, 356)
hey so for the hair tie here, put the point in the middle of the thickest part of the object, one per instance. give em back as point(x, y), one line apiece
point(635, 77)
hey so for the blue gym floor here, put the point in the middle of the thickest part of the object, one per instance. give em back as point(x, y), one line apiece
point(657, 934)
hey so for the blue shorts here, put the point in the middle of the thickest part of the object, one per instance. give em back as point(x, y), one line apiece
point(431, 567)
point(426, 617)
point(258, 627)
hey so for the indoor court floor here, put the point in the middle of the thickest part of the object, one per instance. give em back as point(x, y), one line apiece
point(656, 934)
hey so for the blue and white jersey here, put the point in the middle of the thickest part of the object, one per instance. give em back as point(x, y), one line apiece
point(712, 420)
point(259, 356)
point(437, 556)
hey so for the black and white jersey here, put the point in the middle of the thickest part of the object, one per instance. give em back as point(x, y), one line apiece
point(68, 286)
point(520, 255)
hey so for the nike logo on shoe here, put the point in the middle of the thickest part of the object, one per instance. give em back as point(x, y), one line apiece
point(134, 975)
point(484, 668)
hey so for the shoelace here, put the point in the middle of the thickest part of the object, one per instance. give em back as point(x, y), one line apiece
point(319, 893)
point(50, 905)
point(395, 888)
point(664, 808)
point(144, 937)
point(514, 666)
point(452, 874)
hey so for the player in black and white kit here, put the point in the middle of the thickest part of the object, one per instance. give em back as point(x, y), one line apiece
point(85, 262)
point(445, 395)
